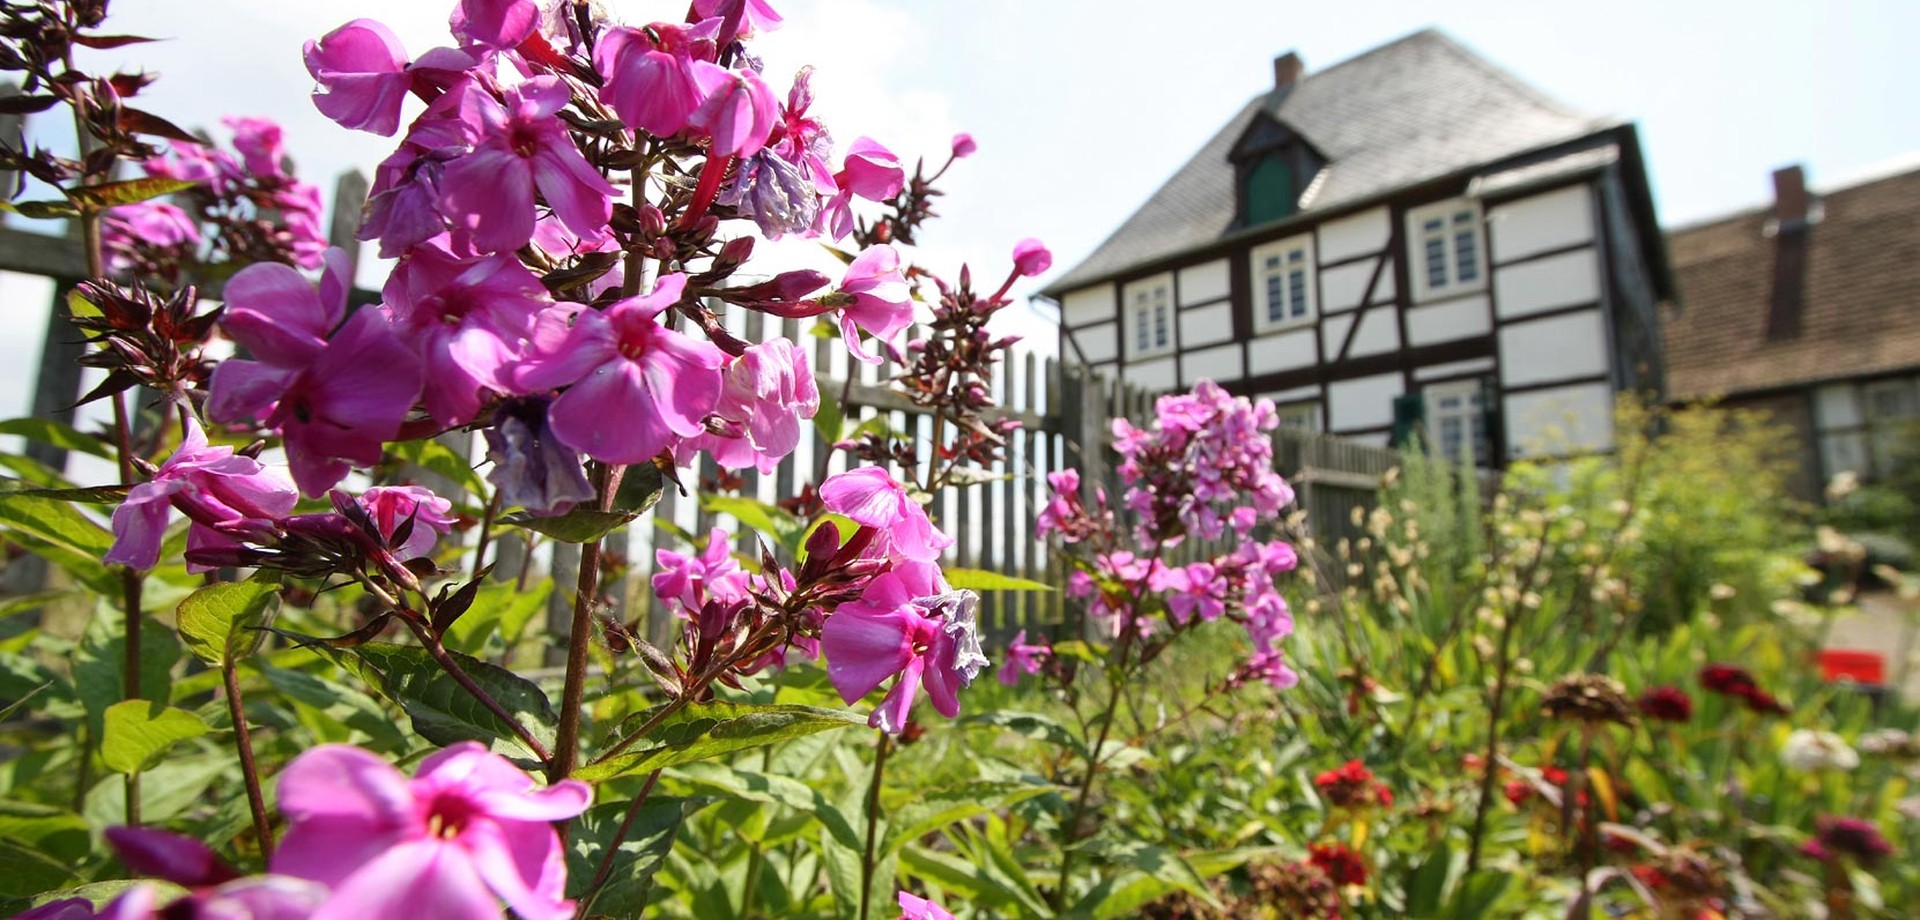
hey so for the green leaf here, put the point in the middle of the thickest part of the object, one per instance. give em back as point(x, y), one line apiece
point(703, 730)
point(8, 712)
point(971, 882)
point(42, 210)
point(99, 666)
point(983, 580)
point(640, 488)
point(1478, 893)
point(100, 894)
point(642, 851)
point(935, 810)
point(829, 420)
point(1428, 883)
point(56, 434)
point(753, 786)
point(25, 872)
point(441, 460)
point(216, 622)
point(775, 522)
point(54, 831)
point(338, 702)
point(132, 191)
point(1029, 725)
point(62, 534)
point(139, 733)
point(442, 711)
point(501, 603)
point(581, 525)
point(96, 495)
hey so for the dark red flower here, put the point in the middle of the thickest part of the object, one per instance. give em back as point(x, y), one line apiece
point(1666, 704)
point(1836, 837)
point(1342, 865)
point(1731, 680)
point(1351, 786)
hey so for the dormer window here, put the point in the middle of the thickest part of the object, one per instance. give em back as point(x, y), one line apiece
point(1273, 165)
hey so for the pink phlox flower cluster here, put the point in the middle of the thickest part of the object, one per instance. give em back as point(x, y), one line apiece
point(468, 831)
point(914, 907)
point(767, 394)
point(872, 497)
point(879, 301)
point(1206, 452)
point(1023, 657)
point(155, 224)
point(214, 890)
point(426, 517)
point(1113, 590)
point(224, 495)
point(691, 581)
point(1065, 513)
point(518, 147)
point(469, 319)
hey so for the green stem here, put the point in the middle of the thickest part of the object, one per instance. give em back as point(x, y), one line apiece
point(605, 870)
point(1117, 678)
point(873, 822)
point(249, 770)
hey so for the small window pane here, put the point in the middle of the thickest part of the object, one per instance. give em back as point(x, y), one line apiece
point(1433, 226)
point(1436, 263)
point(1276, 307)
point(1466, 254)
point(1297, 290)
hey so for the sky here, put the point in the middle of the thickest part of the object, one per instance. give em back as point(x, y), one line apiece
point(1082, 108)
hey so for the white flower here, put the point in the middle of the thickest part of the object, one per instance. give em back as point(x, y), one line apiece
point(1816, 751)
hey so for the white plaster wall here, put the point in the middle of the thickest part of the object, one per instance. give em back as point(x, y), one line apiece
point(1204, 282)
point(1376, 439)
point(1573, 345)
point(1453, 369)
point(1341, 288)
point(1284, 351)
point(1836, 405)
point(1295, 395)
point(1157, 374)
point(1206, 325)
point(1087, 305)
point(1363, 403)
point(1379, 332)
point(1552, 220)
point(1560, 421)
point(1460, 318)
point(1556, 281)
point(1100, 342)
point(1351, 236)
point(1333, 334)
point(1219, 364)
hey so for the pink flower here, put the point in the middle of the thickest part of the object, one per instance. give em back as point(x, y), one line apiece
point(913, 907)
point(881, 303)
point(636, 386)
point(468, 831)
point(738, 111)
point(694, 580)
point(652, 78)
point(924, 633)
point(871, 171)
point(362, 70)
point(871, 497)
point(469, 318)
point(259, 143)
point(497, 25)
point(521, 147)
point(963, 145)
point(392, 506)
point(1030, 258)
point(1023, 658)
point(215, 890)
point(754, 16)
point(222, 494)
point(152, 224)
point(769, 392)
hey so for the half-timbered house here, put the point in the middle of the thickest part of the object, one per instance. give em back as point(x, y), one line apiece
point(1412, 237)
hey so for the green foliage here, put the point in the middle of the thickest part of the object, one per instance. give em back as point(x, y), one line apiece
point(442, 711)
point(220, 622)
point(138, 734)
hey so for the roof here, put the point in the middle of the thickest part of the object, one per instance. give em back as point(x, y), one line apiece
point(1861, 306)
point(1413, 110)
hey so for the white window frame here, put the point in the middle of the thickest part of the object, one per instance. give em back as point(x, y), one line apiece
point(1295, 275)
point(1457, 218)
point(1148, 317)
point(1300, 416)
point(1470, 413)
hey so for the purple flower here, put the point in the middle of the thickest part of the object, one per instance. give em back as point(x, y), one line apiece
point(496, 25)
point(913, 907)
point(521, 147)
point(1023, 658)
point(924, 633)
point(963, 145)
point(738, 111)
point(362, 70)
point(391, 506)
point(871, 497)
point(881, 303)
point(531, 468)
point(636, 386)
point(152, 224)
point(871, 171)
point(769, 391)
point(753, 16)
point(779, 197)
point(215, 892)
point(468, 831)
point(1030, 258)
point(652, 78)
point(693, 580)
point(222, 494)
point(469, 318)
point(259, 141)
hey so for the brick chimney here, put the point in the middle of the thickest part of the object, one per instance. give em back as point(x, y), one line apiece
point(1287, 69)
point(1792, 224)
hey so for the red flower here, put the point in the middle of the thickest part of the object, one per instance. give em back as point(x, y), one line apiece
point(1836, 837)
point(1666, 704)
point(1352, 785)
point(1517, 791)
point(1342, 865)
point(1734, 681)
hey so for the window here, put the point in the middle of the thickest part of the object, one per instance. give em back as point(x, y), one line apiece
point(1150, 316)
point(1448, 250)
point(1299, 417)
point(1283, 283)
point(1270, 193)
point(1457, 420)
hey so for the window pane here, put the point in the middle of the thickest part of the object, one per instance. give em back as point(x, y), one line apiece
point(1140, 332)
point(1276, 305)
point(1159, 324)
point(1436, 263)
point(1297, 291)
point(1432, 226)
point(1467, 255)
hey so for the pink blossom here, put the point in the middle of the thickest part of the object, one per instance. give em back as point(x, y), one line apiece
point(769, 392)
point(738, 111)
point(469, 318)
point(913, 907)
point(871, 171)
point(880, 301)
point(623, 365)
point(753, 16)
point(1023, 658)
point(221, 493)
point(215, 890)
point(521, 147)
point(963, 145)
point(496, 25)
point(362, 70)
point(153, 224)
point(468, 831)
point(693, 580)
point(652, 77)
point(1030, 258)
point(923, 633)
point(259, 142)
point(871, 497)
point(392, 506)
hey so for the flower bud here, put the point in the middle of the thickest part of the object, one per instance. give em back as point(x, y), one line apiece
point(963, 145)
point(1031, 258)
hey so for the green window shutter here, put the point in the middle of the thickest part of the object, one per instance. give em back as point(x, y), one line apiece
point(1270, 191)
point(1409, 415)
